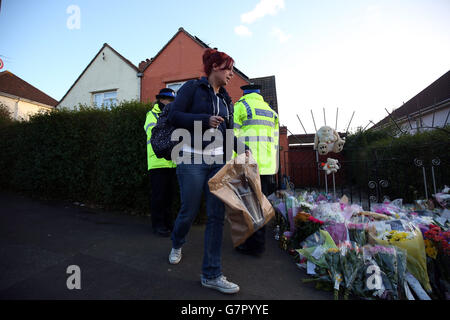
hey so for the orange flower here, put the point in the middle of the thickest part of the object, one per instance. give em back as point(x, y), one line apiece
point(301, 217)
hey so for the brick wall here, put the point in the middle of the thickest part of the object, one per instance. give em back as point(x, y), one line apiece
point(180, 60)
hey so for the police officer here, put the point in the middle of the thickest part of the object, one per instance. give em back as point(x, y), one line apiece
point(161, 171)
point(256, 124)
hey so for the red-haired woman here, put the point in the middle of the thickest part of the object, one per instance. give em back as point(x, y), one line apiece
point(205, 105)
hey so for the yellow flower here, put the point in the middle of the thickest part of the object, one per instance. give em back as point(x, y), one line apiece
point(430, 249)
point(333, 250)
point(397, 236)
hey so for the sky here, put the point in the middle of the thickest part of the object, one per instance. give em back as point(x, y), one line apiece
point(330, 56)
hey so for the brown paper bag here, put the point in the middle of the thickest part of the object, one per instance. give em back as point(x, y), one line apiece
point(238, 185)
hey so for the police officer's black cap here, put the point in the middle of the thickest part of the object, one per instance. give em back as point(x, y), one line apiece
point(166, 93)
point(251, 87)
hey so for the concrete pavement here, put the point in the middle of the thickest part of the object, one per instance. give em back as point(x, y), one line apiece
point(120, 258)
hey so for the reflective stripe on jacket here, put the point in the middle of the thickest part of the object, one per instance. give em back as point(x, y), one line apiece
point(257, 125)
point(152, 161)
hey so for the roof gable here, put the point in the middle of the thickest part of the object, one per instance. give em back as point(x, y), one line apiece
point(196, 40)
point(12, 84)
point(432, 95)
point(105, 45)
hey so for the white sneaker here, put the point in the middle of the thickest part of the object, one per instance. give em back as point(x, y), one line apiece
point(175, 256)
point(221, 284)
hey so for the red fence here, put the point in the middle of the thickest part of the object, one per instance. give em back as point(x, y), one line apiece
point(303, 166)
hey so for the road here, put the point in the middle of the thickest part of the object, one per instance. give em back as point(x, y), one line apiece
point(120, 258)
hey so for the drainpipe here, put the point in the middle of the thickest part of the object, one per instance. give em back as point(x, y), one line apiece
point(16, 109)
point(140, 75)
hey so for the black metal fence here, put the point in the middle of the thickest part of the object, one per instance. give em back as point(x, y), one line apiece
point(381, 175)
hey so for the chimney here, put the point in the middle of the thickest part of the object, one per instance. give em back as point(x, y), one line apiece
point(143, 64)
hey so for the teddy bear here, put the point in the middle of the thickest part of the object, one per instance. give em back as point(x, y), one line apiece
point(331, 166)
point(338, 144)
point(328, 140)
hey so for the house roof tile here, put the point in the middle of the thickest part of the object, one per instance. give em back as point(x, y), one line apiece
point(435, 93)
point(12, 84)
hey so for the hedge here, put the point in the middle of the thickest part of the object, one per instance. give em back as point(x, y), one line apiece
point(391, 156)
point(90, 155)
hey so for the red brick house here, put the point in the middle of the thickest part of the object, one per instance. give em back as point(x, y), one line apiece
point(178, 61)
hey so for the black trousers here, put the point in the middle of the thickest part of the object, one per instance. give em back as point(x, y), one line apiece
point(258, 239)
point(162, 184)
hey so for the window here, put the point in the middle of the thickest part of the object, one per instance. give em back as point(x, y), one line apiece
point(108, 98)
point(175, 86)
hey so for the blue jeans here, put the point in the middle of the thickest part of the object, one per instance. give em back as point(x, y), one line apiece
point(193, 181)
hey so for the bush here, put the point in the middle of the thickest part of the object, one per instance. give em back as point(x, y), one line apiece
point(5, 116)
point(90, 155)
point(386, 155)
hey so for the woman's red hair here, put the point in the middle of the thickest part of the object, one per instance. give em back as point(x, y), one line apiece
point(211, 56)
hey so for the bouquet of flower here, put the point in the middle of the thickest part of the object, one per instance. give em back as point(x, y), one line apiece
point(314, 247)
point(437, 241)
point(321, 197)
point(443, 198)
point(305, 225)
point(386, 259)
point(367, 276)
point(393, 209)
point(350, 210)
point(438, 251)
point(351, 261)
point(329, 212)
point(358, 233)
point(337, 230)
point(333, 263)
point(409, 238)
point(305, 201)
point(291, 208)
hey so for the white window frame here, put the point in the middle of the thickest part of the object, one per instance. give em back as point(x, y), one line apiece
point(108, 102)
point(178, 83)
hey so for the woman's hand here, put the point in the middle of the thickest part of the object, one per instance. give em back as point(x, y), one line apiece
point(214, 121)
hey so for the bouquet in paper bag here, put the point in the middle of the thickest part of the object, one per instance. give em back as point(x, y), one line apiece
point(238, 185)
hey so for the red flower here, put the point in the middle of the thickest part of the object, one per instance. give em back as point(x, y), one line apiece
point(314, 220)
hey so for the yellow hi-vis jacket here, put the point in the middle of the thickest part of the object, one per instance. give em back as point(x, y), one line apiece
point(256, 124)
point(152, 160)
